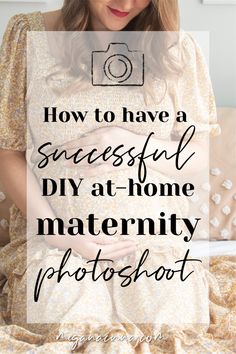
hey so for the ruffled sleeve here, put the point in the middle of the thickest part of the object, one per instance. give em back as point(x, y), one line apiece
point(194, 93)
point(13, 85)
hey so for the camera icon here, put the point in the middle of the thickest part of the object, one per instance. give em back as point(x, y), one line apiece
point(117, 66)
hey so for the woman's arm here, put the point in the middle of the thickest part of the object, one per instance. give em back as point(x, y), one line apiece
point(102, 138)
point(13, 174)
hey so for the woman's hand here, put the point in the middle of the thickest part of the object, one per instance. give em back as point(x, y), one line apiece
point(88, 246)
point(100, 139)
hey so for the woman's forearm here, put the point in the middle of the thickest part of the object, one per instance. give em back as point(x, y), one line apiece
point(13, 174)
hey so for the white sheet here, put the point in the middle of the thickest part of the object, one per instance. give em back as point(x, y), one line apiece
point(213, 248)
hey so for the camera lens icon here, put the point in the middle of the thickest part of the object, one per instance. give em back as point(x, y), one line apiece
point(118, 68)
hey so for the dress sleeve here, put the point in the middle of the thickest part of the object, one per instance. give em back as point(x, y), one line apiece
point(194, 93)
point(13, 85)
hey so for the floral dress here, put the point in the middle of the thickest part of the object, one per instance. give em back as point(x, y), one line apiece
point(13, 256)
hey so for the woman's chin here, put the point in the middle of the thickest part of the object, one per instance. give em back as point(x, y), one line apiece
point(115, 26)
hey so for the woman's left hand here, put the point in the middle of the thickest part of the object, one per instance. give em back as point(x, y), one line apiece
point(100, 139)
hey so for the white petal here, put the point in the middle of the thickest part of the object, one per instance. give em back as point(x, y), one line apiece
point(224, 233)
point(204, 209)
point(226, 210)
point(215, 171)
point(206, 187)
point(216, 198)
point(227, 184)
point(215, 222)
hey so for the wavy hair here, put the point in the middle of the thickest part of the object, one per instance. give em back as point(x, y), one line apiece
point(160, 15)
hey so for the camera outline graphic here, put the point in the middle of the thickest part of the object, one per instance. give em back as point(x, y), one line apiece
point(131, 76)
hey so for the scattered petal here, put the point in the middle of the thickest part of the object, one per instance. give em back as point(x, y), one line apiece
point(204, 209)
point(216, 198)
point(215, 171)
point(224, 233)
point(234, 221)
point(227, 184)
point(226, 210)
point(206, 187)
point(215, 222)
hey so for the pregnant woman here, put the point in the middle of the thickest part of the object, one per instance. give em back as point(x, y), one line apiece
point(92, 311)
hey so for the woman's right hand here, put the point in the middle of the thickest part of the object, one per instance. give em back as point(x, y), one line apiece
point(111, 248)
point(88, 246)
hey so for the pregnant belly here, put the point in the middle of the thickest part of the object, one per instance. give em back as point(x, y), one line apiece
point(107, 196)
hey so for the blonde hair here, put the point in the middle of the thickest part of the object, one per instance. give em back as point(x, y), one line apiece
point(160, 15)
